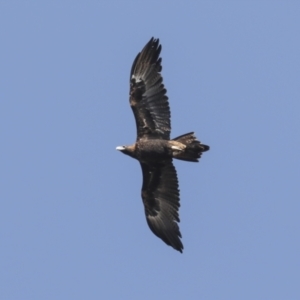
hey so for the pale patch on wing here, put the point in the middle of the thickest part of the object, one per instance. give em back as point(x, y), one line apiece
point(137, 80)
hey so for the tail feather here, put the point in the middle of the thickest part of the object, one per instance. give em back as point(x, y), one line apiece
point(193, 149)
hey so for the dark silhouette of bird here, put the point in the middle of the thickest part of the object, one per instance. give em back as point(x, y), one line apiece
point(153, 147)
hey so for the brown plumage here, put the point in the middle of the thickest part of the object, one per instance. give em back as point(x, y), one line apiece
point(154, 149)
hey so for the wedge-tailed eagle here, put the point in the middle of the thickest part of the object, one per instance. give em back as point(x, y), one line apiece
point(153, 147)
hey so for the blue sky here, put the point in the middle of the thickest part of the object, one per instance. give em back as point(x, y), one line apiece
point(72, 224)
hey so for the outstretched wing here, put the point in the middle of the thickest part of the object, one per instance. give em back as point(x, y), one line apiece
point(148, 98)
point(160, 196)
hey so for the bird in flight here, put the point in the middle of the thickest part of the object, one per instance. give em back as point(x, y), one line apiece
point(153, 147)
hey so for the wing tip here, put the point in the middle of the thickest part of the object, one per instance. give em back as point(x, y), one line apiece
point(169, 234)
point(154, 44)
point(150, 53)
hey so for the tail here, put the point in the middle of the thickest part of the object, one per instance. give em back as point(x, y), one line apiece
point(193, 149)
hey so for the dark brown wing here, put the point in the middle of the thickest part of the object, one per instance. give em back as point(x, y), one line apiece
point(160, 196)
point(148, 98)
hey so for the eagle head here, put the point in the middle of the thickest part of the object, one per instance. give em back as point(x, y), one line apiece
point(128, 150)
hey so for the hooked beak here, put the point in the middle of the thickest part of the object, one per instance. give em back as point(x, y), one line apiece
point(120, 148)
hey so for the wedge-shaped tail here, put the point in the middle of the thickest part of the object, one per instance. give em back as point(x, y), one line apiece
point(193, 149)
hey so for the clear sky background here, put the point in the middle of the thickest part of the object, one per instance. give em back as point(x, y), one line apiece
point(72, 224)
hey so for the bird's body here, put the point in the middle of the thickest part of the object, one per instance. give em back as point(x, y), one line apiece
point(149, 150)
point(154, 149)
